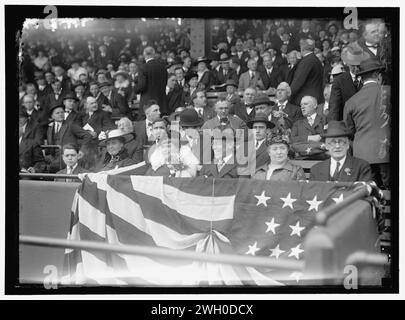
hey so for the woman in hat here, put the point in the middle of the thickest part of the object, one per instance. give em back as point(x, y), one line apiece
point(192, 81)
point(205, 78)
point(279, 168)
point(117, 155)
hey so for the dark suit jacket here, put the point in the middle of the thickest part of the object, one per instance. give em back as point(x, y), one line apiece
point(30, 155)
point(152, 82)
point(342, 90)
point(51, 99)
point(288, 73)
point(68, 133)
point(354, 169)
point(262, 156)
point(141, 139)
point(174, 99)
point(240, 110)
point(307, 80)
point(243, 59)
point(73, 117)
point(231, 75)
point(118, 104)
point(271, 81)
point(99, 121)
point(227, 171)
point(208, 79)
point(294, 112)
point(301, 129)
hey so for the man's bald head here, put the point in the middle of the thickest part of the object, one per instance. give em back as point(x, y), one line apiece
point(91, 104)
point(307, 45)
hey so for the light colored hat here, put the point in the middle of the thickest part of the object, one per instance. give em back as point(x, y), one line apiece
point(353, 54)
point(116, 134)
point(338, 69)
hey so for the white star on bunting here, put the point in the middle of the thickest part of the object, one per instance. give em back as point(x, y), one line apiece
point(296, 229)
point(288, 201)
point(276, 252)
point(252, 249)
point(338, 200)
point(296, 251)
point(314, 203)
point(262, 199)
point(308, 150)
point(271, 226)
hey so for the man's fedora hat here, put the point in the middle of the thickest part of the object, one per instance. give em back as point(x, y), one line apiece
point(55, 106)
point(336, 129)
point(175, 62)
point(71, 96)
point(116, 134)
point(224, 58)
point(121, 73)
point(260, 117)
point(353, 54)
point(370, 65)
point(262, 98)
point(189, 118)
point(104, 84)
point(231, 82)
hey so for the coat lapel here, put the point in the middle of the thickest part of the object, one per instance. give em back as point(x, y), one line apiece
point(347, 169)
point(62, 130)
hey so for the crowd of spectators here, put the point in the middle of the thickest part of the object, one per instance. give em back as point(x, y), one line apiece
point(109, 98)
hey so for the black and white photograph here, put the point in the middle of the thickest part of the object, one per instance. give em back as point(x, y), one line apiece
point(208, 150)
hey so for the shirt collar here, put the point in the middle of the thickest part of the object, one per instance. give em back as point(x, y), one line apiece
point(341, 161)
point(369, 81)
point(312, 116)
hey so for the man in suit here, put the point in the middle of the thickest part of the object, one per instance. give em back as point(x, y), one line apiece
point(95, 92)
point(57, 95)
point(30, 154)
point(175, 96)
point(180, 80)
point(245, 108)
point(307, 79)
point(224, 163)
point(341, 166)
point(285, 109)
point(95, 119)
point(348, 83)
point(242, 55)
point(200, 105)
point(368, 116)
point(61, 132)
point(289, 69)
point(225, 73)
point(116, 103)
point(143, 129)
point(69, 102)
point(232, 94)
point(70, 158)
point(37, 119)
point(235, 65)
point(61, 76)
point(251, 78)
point(152, 81)
point(230, 40)
point(269, 74)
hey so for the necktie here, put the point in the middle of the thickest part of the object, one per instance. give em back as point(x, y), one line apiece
point(252, 76)
point(310, 121)
point(356, 83)
point(336, 173)
point(257, 145)
point(57, 127)
point(69, 170)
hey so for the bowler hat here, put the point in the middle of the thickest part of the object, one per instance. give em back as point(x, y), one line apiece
point(213, 56)
point(55, 106)
point(260, 117)
point(189, 118)
point(116, 134)
point(262, 98)
point(70, 95)
point(353, 54)
point(336, 129)
point(369, 65)
point(104, 84)
point(176, 61)
point(225, 58)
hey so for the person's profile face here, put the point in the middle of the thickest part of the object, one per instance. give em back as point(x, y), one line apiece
point(154, 112)
point(307, 106)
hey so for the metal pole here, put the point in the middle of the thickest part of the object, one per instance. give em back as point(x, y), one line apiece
point(163, 252)
point(362, 257)
point(328, 212)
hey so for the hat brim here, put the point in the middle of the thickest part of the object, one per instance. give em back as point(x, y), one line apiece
point(71, 98)
point(198, 61)
point(336, 135)
point(55, 107)
point(370, 70)
point(354, 60)
point(198, 123)
point(269, 124)
point(126, 138)
point(231, 84)
point(258, 103)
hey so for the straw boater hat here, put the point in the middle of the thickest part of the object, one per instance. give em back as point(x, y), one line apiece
point(336, 129)
point(353, 54)
point(260, 117)
point(116, 134)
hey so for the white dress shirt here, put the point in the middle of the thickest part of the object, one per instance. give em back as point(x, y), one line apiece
point(333, 164)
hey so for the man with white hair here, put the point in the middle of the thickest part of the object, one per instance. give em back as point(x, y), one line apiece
point(95, 119)
point(307, 79)
point(288, 70)
point(285, 109)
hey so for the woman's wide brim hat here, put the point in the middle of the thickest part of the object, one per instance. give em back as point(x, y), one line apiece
point(116, 134)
